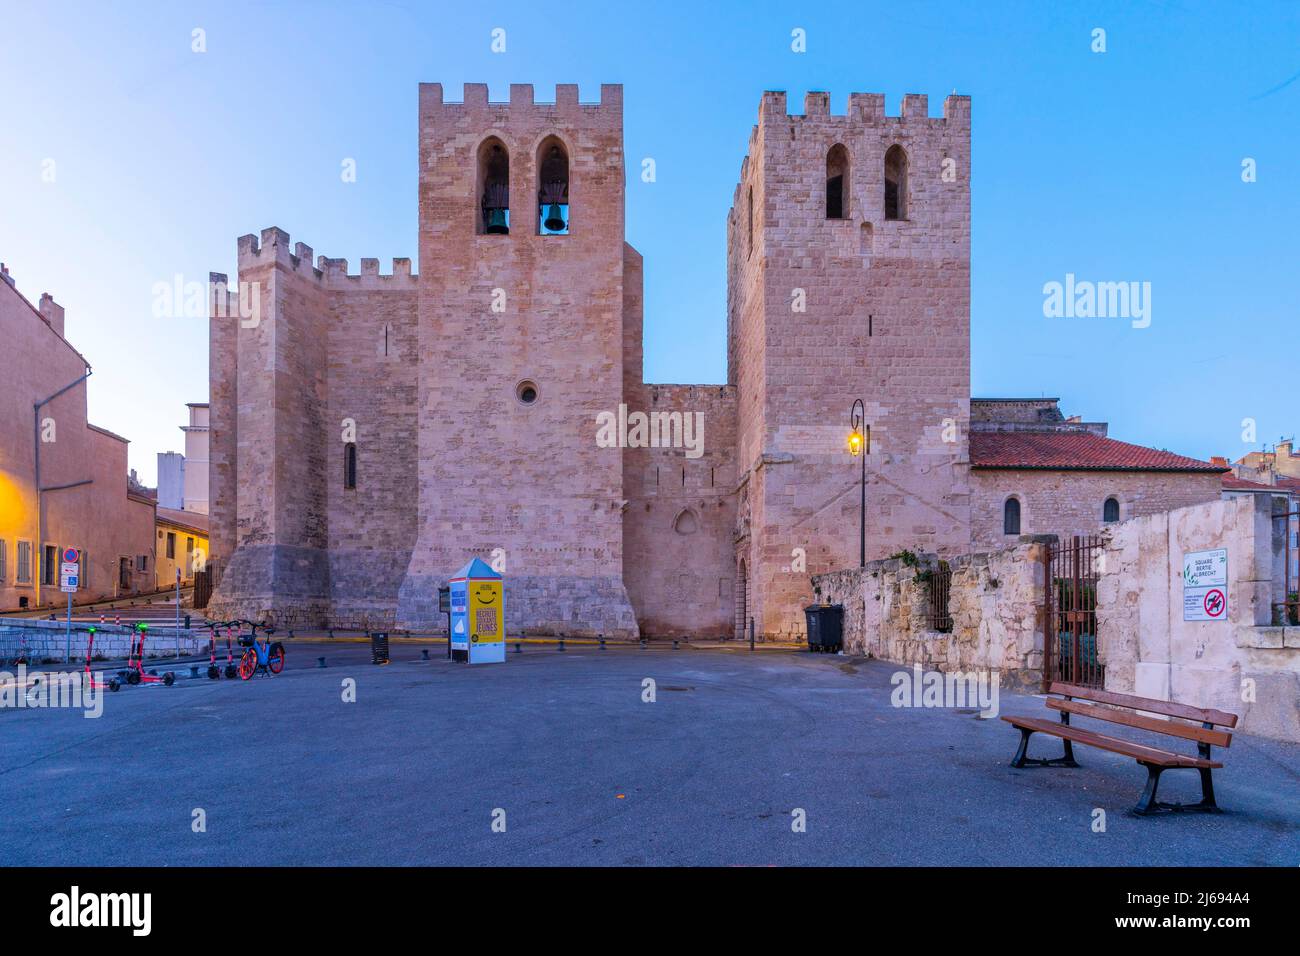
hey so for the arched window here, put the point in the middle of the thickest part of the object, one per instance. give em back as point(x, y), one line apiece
point(1110, 511)
point(896, 182)
point(686, 522)
point(350, 465)
point(1011, 516)
point(552, 188)
point(837, 183)
point(493, 188)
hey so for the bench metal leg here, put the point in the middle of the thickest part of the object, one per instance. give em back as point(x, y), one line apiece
point(1020, 760)
point(1148, 804)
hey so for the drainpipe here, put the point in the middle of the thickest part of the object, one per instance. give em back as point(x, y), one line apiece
point(39, 565)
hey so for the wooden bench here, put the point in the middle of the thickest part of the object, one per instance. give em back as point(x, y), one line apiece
point(1124, 709)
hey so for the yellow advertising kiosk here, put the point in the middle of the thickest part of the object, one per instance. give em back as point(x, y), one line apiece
point(478, 614)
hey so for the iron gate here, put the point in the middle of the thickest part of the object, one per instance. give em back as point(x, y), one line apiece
point(1070, 621)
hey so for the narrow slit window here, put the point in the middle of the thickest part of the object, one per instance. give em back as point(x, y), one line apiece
point(350, 465)
point(896, 183)
point(837, 179)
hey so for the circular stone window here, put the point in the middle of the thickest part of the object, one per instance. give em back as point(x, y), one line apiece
point(526, 392)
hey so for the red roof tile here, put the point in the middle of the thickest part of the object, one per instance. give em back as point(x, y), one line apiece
point(1073, 450)
point(1233, 483)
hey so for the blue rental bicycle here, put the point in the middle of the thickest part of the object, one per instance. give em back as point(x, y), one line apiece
point(264, 656)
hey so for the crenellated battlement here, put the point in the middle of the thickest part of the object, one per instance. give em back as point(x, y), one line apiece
point(867, 109)
point(474, 96)
point(273, 248)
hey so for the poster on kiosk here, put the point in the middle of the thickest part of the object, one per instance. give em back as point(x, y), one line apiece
point(478, 614)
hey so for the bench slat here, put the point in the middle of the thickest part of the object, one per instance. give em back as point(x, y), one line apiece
point(1168, 708)
point(1162, 758)
point(1216, 738)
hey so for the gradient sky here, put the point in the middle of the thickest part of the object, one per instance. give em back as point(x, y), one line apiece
point(1117, 166)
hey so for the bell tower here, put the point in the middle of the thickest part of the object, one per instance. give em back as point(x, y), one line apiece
point(520, 348)
point(848, 278)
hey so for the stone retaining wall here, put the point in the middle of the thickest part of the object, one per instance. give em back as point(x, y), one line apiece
point(47, 640)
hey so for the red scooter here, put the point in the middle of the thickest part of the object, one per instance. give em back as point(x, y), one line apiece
point(112, 683)
point(135, 662)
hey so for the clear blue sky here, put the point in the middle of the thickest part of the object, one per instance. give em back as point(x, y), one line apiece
point(1117, 166)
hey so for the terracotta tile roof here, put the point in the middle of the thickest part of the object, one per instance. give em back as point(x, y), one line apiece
point(1073, 450)
point(1233, 483)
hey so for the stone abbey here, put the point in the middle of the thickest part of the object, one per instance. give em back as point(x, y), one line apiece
point(372, 432)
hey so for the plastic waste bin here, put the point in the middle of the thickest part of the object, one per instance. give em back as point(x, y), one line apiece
point(825, 627)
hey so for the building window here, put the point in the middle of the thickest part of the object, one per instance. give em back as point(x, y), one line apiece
point(837, 180)
point(4, 560)
point(350, 465)
point(142, 563)
point(896, 183)
point(940, 591)
point(526, 392)
point(171, 545)
point(1110, 510)
point(1011, 516)
point(686, 522)
point(49, 566)
point(24, 569)
point(493, 188)
point(552, 188)
point(124, 573)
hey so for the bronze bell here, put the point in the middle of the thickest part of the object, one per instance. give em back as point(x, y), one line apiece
point(554, 220)
point(496, 223)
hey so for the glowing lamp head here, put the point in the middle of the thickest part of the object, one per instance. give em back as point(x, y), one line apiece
point(855, 443)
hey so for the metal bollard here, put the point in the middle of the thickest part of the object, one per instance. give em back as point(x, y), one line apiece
point(519, 648)
point(751, 633)
point(424, 653)
point(675, 645)
point(320, 662)
point(602, 642)
point(194, 670)
point(561, 643)
point(643, 643)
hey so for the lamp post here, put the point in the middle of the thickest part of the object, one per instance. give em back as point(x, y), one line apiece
point(859, 445)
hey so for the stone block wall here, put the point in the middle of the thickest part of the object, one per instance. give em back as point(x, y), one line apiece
point(1067, 503)
point(995, 603)
point(47, 641)
point(1243, 664)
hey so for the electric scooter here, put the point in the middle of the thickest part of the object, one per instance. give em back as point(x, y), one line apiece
point(214, 672)
point(232, 669)
point(135, 662)
point(112, 683)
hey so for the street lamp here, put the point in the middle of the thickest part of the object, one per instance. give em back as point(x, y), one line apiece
point(859, 445)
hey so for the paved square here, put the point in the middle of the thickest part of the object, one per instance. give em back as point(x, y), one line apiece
point(286, 772)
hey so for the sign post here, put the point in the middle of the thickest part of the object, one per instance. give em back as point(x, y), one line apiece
point(69, 576)
point(178, 612)
point(1205, 585)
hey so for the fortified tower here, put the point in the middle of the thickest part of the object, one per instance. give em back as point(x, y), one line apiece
point(520, 347)
point(848, 278)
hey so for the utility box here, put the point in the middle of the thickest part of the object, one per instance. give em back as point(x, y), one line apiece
point(478, 614)
point(825, 627)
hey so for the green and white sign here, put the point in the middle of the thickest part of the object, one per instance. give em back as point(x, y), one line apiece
point(1205, 585)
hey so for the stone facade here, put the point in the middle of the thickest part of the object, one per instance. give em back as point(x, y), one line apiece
point(995, 605)
point(466, 399)
point(1067, 503)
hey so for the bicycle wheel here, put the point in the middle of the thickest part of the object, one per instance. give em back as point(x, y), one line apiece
point(275, 659)
point(247, 664)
